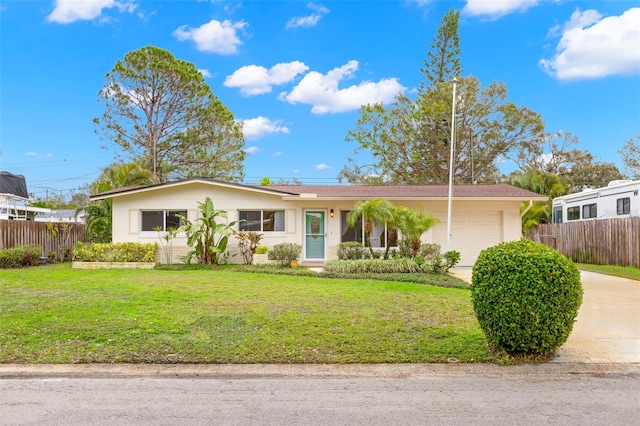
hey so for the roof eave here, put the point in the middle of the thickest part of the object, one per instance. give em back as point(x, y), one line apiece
point(421, 198)
point(143, 189)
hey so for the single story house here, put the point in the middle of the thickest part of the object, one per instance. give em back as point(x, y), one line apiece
point(315, 215)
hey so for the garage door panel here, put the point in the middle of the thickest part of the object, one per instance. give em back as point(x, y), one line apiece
point(470, 233)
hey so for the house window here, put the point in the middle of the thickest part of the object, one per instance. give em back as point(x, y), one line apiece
point(623, 205)
point(261, 220)
point(573, 213)
point(153, 220)
point(589, 211)
point(380, 235)
point(557, 215)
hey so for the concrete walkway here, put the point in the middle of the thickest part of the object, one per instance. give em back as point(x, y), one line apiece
point(607, 329)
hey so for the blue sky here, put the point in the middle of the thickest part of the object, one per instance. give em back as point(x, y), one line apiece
point(296, 72)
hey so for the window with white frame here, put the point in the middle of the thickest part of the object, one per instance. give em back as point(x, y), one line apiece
point(261, 220)
point(161, 220)
point(380, 234)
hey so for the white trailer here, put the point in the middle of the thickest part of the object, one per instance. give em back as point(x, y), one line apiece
point(618, 199)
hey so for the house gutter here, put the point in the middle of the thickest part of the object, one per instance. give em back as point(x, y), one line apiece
point(527, 209)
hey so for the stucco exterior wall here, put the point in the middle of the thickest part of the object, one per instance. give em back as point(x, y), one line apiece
point(127, 217)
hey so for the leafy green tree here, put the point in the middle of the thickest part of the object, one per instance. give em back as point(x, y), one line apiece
point(159, 110)
point(630, 155)
point(208, 235)
point(99, 221)
point(99, 213)
point(120, 175)
point(409, 141)
point(371, 211)
point(443, 60)
point(412, 225)
point(557, 154)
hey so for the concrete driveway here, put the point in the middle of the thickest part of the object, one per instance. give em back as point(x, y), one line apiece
point(608, 326)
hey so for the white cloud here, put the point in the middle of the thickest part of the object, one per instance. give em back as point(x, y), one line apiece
point(38, 155)
point(497, 8)
point(67, 11)
point(419, 3)
point(252, 150)
point(205, 73)
point(214, 36)
point(277, 154)
point(596, 47)
point(256, 80)
point(308, 20)
point(321, 91)
point(323, 166)
point(255, 128)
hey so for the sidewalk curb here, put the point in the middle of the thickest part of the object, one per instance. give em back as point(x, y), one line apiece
point(240, 371)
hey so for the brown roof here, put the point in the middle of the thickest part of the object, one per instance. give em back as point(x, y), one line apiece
point(406, 191)
point(356, 191)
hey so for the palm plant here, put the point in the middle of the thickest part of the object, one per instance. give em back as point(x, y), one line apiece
point(412, 225)
point(371, 211)
point(542, 183)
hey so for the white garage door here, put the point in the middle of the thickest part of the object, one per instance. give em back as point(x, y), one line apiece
point(470, 233)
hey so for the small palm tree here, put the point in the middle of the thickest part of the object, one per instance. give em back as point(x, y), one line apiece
point(543, 183)
point(371, 211)
point(413, 225)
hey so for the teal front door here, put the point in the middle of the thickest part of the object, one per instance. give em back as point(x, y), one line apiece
point(315, 234)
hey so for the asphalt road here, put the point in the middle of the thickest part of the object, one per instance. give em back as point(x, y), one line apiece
point(501, 396)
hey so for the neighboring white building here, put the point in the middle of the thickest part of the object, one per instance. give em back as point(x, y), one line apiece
point(14, 197)
point(64, 215)
point(12, 208)
point(618, 199)
point(314, 215)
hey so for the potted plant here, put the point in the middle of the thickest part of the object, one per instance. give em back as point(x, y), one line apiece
point(261, 256)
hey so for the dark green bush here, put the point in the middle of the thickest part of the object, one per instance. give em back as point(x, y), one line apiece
point(429, 251)
point(526, 297)
point(285, 253)
point(20, 257)
point(352, 250)
point(114, 252)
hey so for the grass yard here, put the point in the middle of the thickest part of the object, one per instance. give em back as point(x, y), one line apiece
point(617, 271)
point(55, 314)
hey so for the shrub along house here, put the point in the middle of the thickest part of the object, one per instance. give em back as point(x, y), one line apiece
point(315, 215)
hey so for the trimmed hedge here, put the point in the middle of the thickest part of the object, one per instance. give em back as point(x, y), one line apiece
point(20, 257)
point(114, 252)
point(526, 297)
point(285, 253)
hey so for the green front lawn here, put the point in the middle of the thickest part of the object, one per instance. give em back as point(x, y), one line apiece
point(55, 314)
point(617, 271)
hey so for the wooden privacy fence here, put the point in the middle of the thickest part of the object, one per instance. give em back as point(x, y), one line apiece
point(24, 232)
point(599, 242)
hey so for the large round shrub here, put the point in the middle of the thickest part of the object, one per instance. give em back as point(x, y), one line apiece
point(526, 296)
